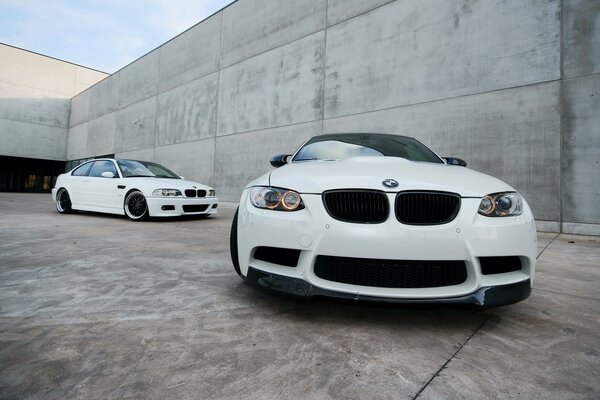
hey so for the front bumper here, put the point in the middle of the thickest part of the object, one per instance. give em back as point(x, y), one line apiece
point(485, 297)
point(177, 206)
point(313, 232)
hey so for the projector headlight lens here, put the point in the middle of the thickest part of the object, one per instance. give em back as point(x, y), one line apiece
point(278, 199)
point(505, 204)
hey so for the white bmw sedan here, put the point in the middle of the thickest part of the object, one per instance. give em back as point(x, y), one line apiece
point(138, 189)
point(384, 218)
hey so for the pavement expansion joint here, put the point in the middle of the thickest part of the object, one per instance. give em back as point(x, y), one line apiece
point(453, 356)
point(548, 245)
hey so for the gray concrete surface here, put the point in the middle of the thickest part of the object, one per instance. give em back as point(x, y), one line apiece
point(35, 97)
point(514, 122)
point(511, 86)
point(95, 306)
point(277, 88)
point(582, 149)
point(252, 27)
point(581, 37)
point(404, 53)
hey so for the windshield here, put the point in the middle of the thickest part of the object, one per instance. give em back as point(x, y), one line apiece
point(130, 169)
point(342, 146)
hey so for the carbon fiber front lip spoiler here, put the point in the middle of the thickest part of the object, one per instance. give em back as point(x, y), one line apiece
point(485, 297)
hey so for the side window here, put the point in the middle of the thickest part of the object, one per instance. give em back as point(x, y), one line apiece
point(82, 170)
point(103, 166)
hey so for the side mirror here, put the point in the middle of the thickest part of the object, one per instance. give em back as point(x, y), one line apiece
point(108, 174)
point(280, 160)
point(455, 161)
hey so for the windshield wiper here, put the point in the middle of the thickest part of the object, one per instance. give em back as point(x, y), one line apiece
point(140, 176)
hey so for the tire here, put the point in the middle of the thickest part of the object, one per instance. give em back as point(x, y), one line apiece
point(135, 206)
point(63, 202)
point(233, 245)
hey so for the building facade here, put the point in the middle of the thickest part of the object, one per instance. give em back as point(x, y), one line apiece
point(35, 102)
point(511, 86)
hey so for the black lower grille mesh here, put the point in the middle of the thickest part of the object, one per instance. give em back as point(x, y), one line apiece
point(499, 265)
point(390, 273)
point(195, 208)
point(278, 255)
point(360, 206)
point(426, 208)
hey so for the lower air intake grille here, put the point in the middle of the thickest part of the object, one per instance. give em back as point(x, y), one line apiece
point(195, 208)
point(406, 274)
point(499, 265)
point(359, 206)
point(426, 208)
point(277, 255)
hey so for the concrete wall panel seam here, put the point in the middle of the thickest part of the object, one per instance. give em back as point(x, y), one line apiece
point(247, 33)
point(33, 122)
point(344, 4)
point(216, 126)
point(581, 76)
point(324, 68)
point(561, 100)
point(270, 50)
point(442, 100)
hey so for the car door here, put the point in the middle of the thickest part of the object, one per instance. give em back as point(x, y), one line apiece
point(76, 183)
point(102, 191)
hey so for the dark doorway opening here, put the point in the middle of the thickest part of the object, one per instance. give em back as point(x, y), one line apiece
point(28, 174)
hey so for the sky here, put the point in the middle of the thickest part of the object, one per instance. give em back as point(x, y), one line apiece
point(102, 34)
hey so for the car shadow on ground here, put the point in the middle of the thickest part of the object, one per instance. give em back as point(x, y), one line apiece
point(357, 311)
point(149, 219)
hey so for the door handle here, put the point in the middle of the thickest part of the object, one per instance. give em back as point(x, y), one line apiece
point(121, 187)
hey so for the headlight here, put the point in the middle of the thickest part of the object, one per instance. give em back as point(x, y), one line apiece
point(166, 192)
point(276, 199)
point(506, 204)
point(211, 193)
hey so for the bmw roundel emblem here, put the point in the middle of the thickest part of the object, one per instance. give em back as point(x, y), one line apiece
point(391, 183)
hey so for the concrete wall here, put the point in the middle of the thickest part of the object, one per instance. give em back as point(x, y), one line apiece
point(512, 86)
point(35, 93)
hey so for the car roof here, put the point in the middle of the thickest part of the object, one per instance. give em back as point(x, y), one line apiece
point(337, 135)
point(117, 159)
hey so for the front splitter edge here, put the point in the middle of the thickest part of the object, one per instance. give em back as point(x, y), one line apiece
point(485, 297)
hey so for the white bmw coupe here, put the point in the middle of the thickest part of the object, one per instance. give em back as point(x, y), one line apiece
point(382, 217)
point(138, 189)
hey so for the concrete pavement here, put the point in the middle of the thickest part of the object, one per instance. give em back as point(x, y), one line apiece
point(96, 306)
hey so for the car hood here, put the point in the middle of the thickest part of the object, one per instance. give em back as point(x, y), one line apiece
point(369, 173)
point(165, 183)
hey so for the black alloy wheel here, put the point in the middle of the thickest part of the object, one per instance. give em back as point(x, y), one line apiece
point(136, 207)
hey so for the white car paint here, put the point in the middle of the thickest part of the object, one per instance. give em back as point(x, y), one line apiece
point(362, 172)
point(314, 232)
point(107, 195)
